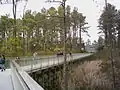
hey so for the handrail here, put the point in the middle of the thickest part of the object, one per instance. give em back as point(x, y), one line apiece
point(26, 79)
point(49, 62)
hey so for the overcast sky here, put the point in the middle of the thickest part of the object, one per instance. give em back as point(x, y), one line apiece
point(89, 8)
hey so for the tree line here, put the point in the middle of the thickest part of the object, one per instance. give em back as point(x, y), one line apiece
point(42, 31)
point(109, 25)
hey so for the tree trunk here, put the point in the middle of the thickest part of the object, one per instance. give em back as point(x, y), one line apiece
point(106, 38)
point(74, 37)
point(80, 38)
point(14, 14)
point(70, 40)
point(44, 44)
point(118, 39)
point(24, 43)
point(14, 30)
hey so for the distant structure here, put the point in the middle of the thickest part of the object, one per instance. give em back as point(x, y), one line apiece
point(91, 47)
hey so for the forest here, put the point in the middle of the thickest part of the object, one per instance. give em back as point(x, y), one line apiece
point(42, 32)
point(109, 26)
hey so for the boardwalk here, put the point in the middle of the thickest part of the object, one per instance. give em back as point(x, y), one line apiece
point(6, 82)
point(50, 61)
point(9, 81)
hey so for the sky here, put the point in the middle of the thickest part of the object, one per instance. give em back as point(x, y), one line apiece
point(90, 9)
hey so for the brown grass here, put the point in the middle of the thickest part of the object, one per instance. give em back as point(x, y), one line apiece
point(88, 75)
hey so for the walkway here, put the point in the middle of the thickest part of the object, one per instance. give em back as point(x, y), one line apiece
point(17, 79)
point(6, 80)
point(45, 63)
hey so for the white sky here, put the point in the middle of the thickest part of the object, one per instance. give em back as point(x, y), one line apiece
point(89, 8)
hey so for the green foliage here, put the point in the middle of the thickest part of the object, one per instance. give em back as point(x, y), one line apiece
point(46, 53)
point(107, 23)
point(41, 32)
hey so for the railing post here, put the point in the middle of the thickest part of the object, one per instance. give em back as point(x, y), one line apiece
point(48, 61)
point(41, 63)
point(32, 64)
point(58, 59)
point(54, 60)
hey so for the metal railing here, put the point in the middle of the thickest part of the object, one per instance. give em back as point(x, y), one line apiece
point(22, 80)
point(37, 63)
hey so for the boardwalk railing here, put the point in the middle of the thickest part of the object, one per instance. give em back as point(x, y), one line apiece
point(37, 63)
point(22, 81)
